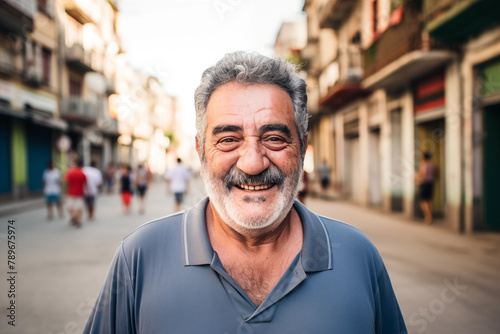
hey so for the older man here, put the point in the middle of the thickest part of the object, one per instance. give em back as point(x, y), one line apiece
point(248, 259)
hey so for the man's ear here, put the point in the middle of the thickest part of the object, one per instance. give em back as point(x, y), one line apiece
point(198, 150)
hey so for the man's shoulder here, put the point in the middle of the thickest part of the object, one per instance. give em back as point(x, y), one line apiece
point(346, 234)
point(155, 233)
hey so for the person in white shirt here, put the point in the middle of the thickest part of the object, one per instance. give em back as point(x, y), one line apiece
point(52, 189)
point(177, 182)
point(94, 180)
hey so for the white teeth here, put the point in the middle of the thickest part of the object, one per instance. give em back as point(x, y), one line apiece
point(260, 187)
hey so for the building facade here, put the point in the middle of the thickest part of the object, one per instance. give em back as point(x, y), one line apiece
point(389, 80)
point(146, 119)
point(29, 108)
point(58, 87)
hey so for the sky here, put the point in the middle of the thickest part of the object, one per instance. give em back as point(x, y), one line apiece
point(176, 40)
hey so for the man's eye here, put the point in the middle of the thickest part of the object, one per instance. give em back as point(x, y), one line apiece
point(275, 139)
point(227, 140)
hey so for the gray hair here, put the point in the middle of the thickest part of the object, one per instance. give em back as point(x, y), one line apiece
point(248, 68)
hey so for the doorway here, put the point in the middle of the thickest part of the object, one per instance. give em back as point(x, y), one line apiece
point(430, 137)
point(491, 168)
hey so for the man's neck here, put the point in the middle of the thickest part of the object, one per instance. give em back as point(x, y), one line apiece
point(261, 259)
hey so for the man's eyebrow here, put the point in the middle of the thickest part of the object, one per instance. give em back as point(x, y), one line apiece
point(276, 127)
point(226, 128)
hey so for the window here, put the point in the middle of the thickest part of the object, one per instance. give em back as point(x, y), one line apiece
point(75, 88)
point(46, 57)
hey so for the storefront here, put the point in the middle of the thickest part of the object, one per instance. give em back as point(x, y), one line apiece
point(487, 150)
point(6, 154)
point(429, 106)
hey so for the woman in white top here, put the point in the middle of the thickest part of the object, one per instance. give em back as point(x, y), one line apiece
point(52, 189)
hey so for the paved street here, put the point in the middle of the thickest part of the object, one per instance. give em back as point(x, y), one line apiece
point(445, 283)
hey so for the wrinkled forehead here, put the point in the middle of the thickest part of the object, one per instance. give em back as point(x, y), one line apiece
point(249, 101)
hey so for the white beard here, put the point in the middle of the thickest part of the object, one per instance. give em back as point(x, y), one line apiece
point(225, 204)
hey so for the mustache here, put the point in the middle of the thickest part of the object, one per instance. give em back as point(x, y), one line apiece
point(272, 175)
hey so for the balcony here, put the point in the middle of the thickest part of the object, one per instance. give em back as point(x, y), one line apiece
point(334, 12)
point(79, 59)
point(311, 53)
point(80, 10)
point(108, 125)
point(452, 21)
point(402, 53)
point(17, 16)
point(7, 68)
point(348, 85)
point(33, 80)
point(76, 110)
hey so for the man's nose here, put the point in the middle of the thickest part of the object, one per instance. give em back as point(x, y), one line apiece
point(253, 159)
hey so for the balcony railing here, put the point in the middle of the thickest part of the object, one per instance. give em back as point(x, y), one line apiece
point(76, 109)
point(310, 53)
point(108, 125)
point(78, 58)
point(453, 21)
point(7, 68)
point(346, 86)
point(395, 42)
point(351, 68)
point(33, 80)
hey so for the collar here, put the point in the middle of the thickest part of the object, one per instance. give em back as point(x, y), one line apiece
point(316, 254)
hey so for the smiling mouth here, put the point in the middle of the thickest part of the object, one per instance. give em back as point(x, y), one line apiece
point(255, 187)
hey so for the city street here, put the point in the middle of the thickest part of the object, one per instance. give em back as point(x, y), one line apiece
point(446, 283)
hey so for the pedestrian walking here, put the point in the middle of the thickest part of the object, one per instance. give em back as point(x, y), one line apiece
point(76, 185)
point(142, 179)
point(425, 178)
point(52, 189)
point(178, 182)
point(126, 189)
point(94, 181)
point(109, 177)
point(324, 173)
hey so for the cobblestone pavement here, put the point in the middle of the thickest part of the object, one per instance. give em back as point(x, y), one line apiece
point(445, 283)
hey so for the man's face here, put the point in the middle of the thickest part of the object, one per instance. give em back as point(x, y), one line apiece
point(252, 156)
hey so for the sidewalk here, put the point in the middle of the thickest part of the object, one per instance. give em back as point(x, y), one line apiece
point(490, 241)
point(12, 207)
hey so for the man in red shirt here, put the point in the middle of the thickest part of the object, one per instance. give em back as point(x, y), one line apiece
point(77, 182)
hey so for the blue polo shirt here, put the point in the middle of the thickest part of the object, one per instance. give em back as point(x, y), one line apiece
point(166, 278)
